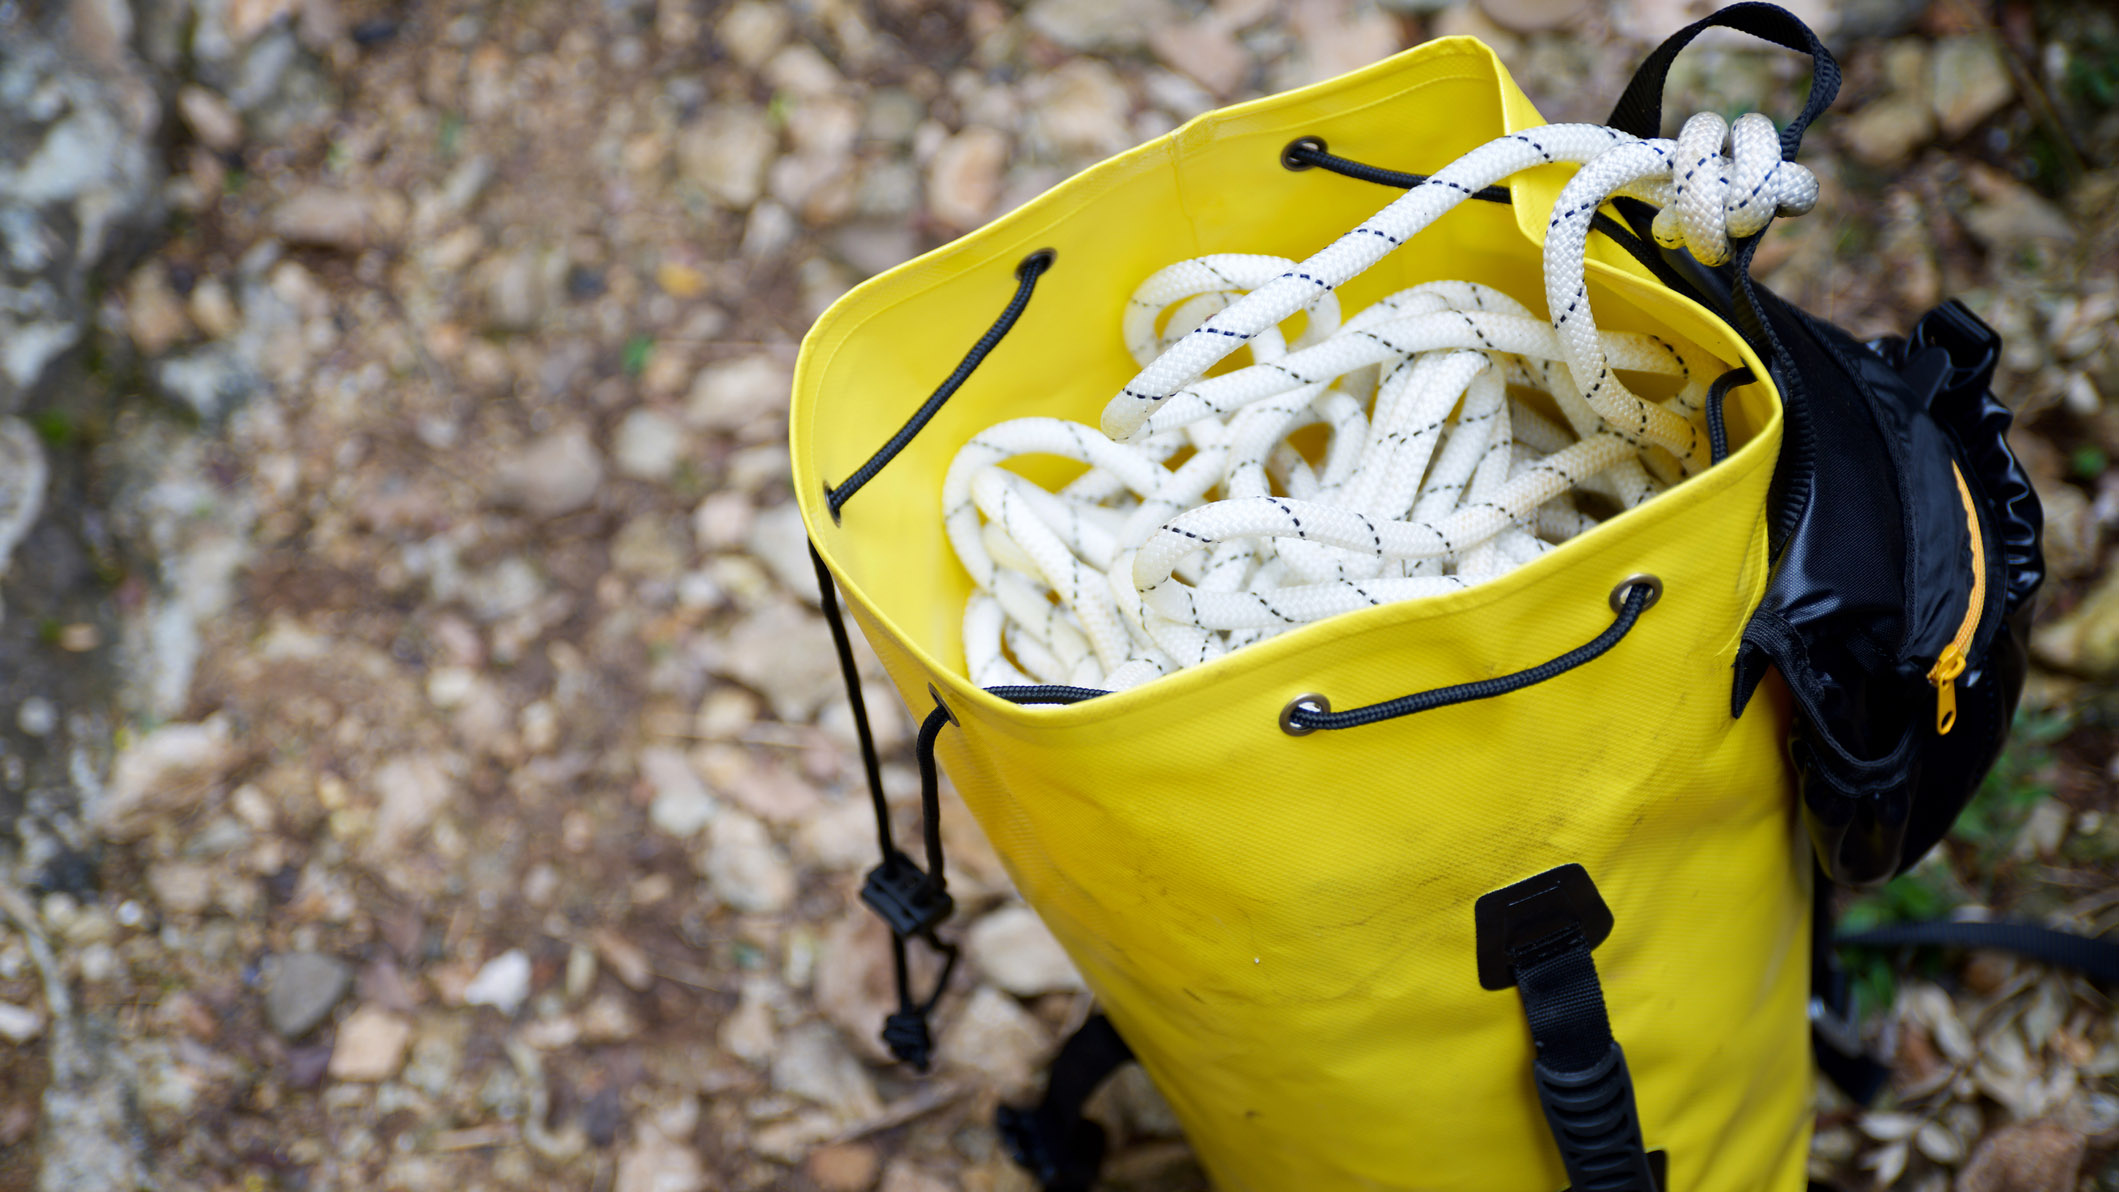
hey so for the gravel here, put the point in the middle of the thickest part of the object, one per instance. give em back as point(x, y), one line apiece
point(452, 785)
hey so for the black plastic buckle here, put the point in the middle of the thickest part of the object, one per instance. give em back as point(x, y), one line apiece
point(1537, 908)
point(904, 898)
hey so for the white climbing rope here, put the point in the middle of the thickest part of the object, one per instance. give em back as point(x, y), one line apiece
point(1430, 477)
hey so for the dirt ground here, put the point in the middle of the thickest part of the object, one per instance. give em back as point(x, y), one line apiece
point(484, 812)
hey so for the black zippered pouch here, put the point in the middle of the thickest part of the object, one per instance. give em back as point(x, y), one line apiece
point(1904, 541)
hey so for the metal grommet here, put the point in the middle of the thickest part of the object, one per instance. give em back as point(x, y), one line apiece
point(1288, 160)
point(1654, 586)
point(1312, 701)
point(941, 703)
point(1039, 261)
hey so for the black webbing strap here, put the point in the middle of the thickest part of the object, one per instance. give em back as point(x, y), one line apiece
point(1640, 109)
point(1835, 1020)
point(2094, 957)
point(1062, 1150)
point(1834, 1024)
point(1580, 1070)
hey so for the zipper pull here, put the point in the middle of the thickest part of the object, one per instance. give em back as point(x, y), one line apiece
point(1944, 677)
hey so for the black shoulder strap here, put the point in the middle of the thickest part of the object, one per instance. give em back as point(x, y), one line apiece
point(1640, 109)
point(2094, 957)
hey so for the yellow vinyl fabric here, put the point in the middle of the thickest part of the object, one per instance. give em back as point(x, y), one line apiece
point(1282, 927)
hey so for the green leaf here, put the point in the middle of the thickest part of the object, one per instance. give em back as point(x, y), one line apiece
point(637, 351)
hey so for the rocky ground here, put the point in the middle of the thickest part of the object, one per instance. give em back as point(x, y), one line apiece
point(427, 768)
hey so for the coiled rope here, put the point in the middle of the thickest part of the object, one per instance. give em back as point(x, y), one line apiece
point(1198, 527)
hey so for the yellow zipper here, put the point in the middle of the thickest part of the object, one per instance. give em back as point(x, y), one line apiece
point(1951, 662)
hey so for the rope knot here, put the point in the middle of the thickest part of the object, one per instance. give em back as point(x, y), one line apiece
point(1719, 199)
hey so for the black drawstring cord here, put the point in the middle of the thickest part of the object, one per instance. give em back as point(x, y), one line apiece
point(1309, 713)
point(1717, 427)
point(1027, 273)
point(828, 598)
point(910, 902)
point(1304, 152)
point(913, 904)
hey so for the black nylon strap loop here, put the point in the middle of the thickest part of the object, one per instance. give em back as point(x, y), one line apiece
point(1640, 109)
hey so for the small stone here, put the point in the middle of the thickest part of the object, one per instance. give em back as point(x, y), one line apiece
point(244, 20)
point(324, 219)
point(1098, 24)
point(653, 1162)
point(502, 983)
point(741, 394)
point(181, 887)
point(608, 1018)
point(1971, 82)
point(80, 637)
point(625, 958)
point(302, 990)
point(1083, 108)
point(752, 30)
point(726, 153)
point(784, 653)
point(1887, 131)
point(682, 805)
point(779, 540)
point(1016, 951)
point(722, 521)
point(843, 1167)
point(648, 445)
point(766, 789)
point(165, 773)
point(1535, 16)
point(841, 838)
point(522, 287)
point(1205, 50)
point(813, 1064)
point(20, 1024)
point(854, 986)
point(370, 1046)
point(1335, 42)
point(410, 792)
point(216, 124)
point(903, 1176)
point(679, 281)
point(964, 179)
point(650, 546)
point(749, 1032)
point(2043, 832)
point(154, 315)
point(2086, 641)
point(746, 868)
point(2007, 215)
point(801, 70)
point(214, 310)
point(554, 475)
point(36, 716)
point(998, 1039)
point(2028, 1157)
